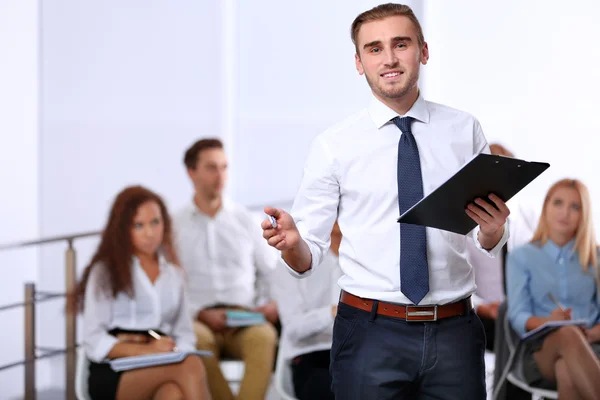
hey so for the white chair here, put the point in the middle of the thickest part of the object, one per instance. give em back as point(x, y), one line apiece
point(233, 371)
point(81, 375)
point(283, 376)
point(515, 371)
point(490, 359)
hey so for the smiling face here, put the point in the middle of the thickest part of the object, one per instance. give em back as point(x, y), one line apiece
point(389, 56)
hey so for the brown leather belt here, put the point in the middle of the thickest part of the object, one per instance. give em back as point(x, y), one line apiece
point(409, 312)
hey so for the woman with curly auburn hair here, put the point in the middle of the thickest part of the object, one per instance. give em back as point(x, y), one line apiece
point(131, 287)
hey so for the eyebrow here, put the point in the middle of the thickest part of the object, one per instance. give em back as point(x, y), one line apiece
point(395, 40)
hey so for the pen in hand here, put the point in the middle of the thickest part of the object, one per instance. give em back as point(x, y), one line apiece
point(553, 299)
point(566, 312)
point(157, 337)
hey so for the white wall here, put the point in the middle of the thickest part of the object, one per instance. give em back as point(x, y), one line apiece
point(296, 78)
point(127, 86)
point(529, 71)
point(19, 178)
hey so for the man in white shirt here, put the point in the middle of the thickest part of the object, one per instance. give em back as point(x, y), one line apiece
point(307, 309)
point(383, 345)
point(221, 249)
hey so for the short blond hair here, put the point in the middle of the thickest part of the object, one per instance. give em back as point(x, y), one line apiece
point(384, 11)
point(585, 238)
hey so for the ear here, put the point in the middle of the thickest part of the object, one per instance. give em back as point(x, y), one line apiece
point(424, 54)
point(359, 66)
point(190, 173)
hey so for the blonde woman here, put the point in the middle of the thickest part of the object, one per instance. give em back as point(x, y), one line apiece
point(561, 262)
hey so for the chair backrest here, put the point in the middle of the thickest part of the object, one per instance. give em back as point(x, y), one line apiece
point(283, 376)
point(82, 372)
point(513, 354)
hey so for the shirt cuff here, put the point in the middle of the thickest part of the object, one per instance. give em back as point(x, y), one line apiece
point(100, 351)
point(477, 301)
point(521, 322)
point(497, 249)
point(313, 263)
point(325, 318)
point(183, 345)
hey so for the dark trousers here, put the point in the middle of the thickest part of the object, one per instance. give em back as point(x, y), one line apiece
point(380, 358)
point(489, 326)
point(310, 374)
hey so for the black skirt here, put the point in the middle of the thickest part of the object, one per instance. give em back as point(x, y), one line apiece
point(103, 381)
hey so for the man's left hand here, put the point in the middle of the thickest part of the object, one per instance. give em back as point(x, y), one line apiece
point(270, 312)
point(491, 220)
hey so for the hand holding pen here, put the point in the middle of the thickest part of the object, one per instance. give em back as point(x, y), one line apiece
point(560, 313)
point(162, 344)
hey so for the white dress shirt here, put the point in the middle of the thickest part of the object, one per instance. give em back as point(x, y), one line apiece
point(162, 305)
point(222, 256)
point(305, 307)
point(351, 174)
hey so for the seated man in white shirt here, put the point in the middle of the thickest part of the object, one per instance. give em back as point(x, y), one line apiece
point(308, 308)
point(489, 272)
point(221, 249)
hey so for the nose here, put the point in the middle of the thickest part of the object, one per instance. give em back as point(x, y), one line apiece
point(221, 176)
point(564, 213)
point(148, 231)
point(391, 60)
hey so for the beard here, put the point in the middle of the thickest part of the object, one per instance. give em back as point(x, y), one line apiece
point(396, 91)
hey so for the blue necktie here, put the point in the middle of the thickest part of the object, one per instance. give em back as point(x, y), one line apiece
point(414, 270)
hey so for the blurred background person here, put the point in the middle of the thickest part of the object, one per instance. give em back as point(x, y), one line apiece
point(490, 272)
point(131, 286)
point(308, 308)
point(221, 248)
point(553, 278)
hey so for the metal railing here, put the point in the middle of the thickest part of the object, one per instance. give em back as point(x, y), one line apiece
point(32, 297)
point(32, 352)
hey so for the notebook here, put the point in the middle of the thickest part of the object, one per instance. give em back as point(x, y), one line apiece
point(444, 208)
point(551, 326)
point(153, 360)
point(236, 318)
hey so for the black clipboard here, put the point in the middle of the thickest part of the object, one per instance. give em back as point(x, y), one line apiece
point(444, 208)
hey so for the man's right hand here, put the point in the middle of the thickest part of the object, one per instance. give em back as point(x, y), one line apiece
point(489, 311)
point(215, 319)
point(286, 235)
point(334, 310)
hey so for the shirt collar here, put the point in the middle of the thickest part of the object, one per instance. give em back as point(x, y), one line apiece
point(556, 252)
point(226, 205)
point(382, 114)
point(162, 262)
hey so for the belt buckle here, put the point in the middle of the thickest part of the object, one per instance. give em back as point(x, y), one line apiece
point(421, 316)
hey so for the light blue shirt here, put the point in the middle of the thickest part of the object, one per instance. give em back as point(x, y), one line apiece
point(534, 270)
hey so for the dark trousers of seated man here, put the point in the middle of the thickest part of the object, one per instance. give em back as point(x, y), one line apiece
point(311, 377)
point(489, 326)
point(512, 392)
point(378, 357)
point(255, 345)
